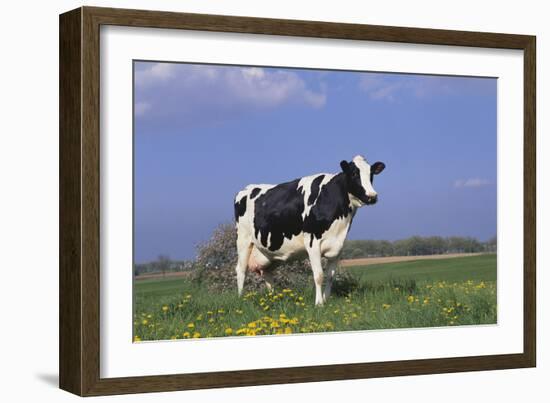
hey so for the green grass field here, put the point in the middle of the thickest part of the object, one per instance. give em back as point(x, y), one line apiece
point(424, 293)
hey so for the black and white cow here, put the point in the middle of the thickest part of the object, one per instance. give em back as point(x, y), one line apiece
point(307, 216)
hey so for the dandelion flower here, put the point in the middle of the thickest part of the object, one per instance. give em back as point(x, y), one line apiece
point(165, 308)
point(191, 325)
point(228, 331)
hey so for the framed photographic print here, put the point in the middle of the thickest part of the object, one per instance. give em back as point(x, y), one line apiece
point(249, 201)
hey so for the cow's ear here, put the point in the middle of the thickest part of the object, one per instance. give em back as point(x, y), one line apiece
point(345, 166)
point(377, 167)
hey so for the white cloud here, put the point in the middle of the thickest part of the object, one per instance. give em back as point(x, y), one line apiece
point(157, 72)
point(388, 87)
point(141, 108)
point(379, 88)
point(186, 89)
point(471, 183)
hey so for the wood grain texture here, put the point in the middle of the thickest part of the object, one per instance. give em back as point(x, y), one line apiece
point(530, 202)
point(70, 275)
point(80, 200)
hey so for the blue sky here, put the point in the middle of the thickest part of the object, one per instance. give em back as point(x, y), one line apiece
point(203, 132)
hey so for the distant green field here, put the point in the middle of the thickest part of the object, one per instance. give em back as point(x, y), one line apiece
point(424, 293)
point(482, 267)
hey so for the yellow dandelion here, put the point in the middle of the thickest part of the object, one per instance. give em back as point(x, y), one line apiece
point(165, 308)
point(410, 299)
point(228, 331)
point(288, 330)
point(386, 306)
point(137, 339)
point(144, 322)
point(191, 325)
point(186, 334)
point(252, 325)
point(196, 335)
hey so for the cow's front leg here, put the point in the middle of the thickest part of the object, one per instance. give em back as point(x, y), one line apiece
point(332, 266)
point(314, 254)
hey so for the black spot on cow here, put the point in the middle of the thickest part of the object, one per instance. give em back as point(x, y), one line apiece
point(333, 203)
point(279, 212)
point(315, 186)
point(240, 208)
point(254, 193)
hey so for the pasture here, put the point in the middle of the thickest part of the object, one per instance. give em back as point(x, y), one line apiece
point(411, 294)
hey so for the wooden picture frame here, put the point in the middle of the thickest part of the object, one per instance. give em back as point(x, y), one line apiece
point(79, 280)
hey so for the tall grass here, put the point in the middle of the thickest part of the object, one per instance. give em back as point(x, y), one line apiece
point(401, 298)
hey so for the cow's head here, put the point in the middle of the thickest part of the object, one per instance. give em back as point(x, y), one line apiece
point(360, 177)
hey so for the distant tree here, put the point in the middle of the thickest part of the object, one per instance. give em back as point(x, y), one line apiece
point(491, 244)
point(163, 264)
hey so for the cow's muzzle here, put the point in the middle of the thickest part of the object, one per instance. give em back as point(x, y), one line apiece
point(371, 199)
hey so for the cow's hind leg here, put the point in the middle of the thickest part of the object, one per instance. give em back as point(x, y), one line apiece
point(332, 266)
point(244, 248)
point(269, 279)
point(314, 255)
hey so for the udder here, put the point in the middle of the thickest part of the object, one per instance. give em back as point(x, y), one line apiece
point(258, 262)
